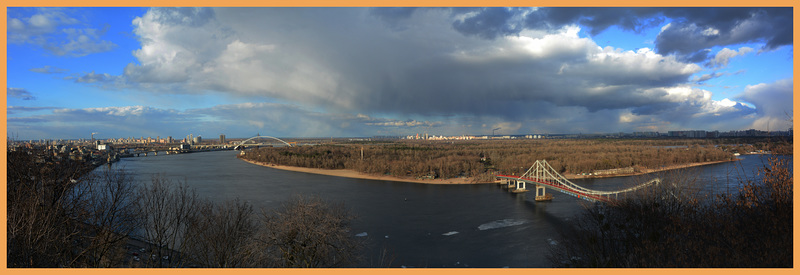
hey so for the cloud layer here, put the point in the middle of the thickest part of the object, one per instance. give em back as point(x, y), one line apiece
point(357, 71)
point(235, 120)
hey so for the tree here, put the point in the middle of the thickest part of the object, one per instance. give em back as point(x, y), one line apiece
point(167, 210)
point(38, 224)
point(107, 202)
point(61, 214)
point(219, 235)
point(305, 232)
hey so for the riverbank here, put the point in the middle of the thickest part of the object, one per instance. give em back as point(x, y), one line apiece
point(648, 170)
point(358, 175)
point(468, 180)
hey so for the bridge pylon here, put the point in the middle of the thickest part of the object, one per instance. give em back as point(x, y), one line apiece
point(541, 195)
point(519, 187)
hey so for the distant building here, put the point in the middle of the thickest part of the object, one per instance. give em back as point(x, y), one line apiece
point(222, 139)
point(688, 134)
point(646, 134)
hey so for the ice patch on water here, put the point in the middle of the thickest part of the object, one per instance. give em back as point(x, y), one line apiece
point(362, 234)
point(450, 233)
point(501, 224)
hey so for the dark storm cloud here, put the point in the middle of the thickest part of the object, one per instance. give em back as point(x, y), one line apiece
point(292, 120)
point(696, 57)
point(489, 23)
point(393, 16)
point(344, 61)
point(596, 19)
point(772, 26)
point(774, 102)
point(655, 109)
point(492, 22)
point(485, 87)
point(691, 115)
point(691, 32)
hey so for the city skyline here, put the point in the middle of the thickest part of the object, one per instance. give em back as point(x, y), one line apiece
point(318, 72)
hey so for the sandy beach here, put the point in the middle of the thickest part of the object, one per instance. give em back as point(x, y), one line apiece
point(358, 175)
point(647, 171)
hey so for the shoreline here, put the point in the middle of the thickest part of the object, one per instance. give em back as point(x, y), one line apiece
point(358, 175)
point(649, 170)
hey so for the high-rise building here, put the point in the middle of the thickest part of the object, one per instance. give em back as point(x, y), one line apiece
point(222, 139)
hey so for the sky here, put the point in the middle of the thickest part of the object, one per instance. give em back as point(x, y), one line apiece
point(361, 72)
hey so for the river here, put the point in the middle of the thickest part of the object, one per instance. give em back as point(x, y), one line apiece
point(419, 225)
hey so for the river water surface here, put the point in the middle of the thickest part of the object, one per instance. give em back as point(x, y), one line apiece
point(418, 225)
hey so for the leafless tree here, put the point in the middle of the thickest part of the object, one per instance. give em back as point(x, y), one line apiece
point(167, 210)
point(38, 226)
point(218, 236)
point(107, 207)
point(60, 214)
point(669, 225)
point(306, 232)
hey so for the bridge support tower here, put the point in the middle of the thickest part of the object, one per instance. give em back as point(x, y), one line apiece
point(541, 195)
point(511, 184)
point(520, 187)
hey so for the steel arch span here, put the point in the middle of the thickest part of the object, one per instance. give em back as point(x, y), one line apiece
point(255, 137)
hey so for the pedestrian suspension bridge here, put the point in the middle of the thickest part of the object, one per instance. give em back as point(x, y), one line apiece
point(543, 176)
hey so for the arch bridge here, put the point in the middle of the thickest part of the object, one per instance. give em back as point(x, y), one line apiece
point(242, 144)
point(543, 176)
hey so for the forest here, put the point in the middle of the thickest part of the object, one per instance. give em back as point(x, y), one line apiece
point(481, 160)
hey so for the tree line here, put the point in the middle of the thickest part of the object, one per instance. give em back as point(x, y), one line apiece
point(482, 159)
point(67, 214)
